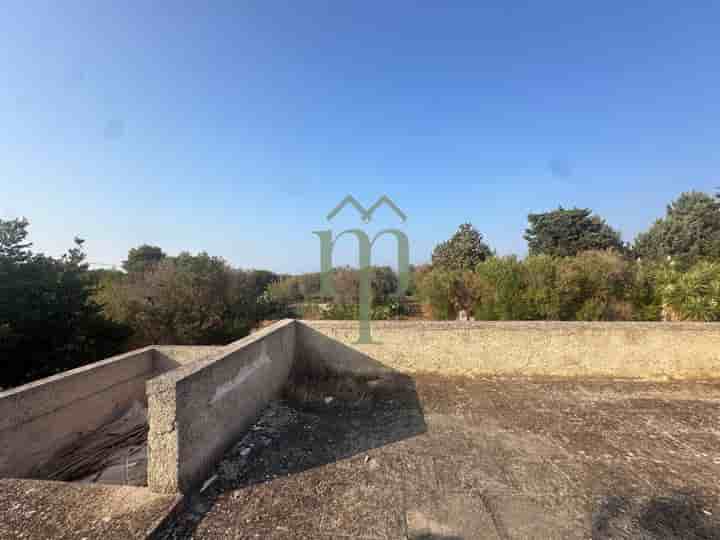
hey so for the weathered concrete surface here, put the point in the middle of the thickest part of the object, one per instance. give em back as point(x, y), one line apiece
point(451, 458)
point(42, 510)
point(568, 349)
point(40, 418)
point(196, 411)
point(167, 357)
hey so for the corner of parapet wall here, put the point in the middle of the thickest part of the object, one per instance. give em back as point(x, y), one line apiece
point(197, 411)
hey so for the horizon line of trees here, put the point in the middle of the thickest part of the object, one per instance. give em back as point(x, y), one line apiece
point(57, 314)
point(577, 268)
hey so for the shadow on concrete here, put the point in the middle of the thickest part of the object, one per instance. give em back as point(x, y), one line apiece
point(679, 515)
point(323, 416)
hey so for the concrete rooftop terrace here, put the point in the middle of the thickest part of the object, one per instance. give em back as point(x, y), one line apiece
point(450, 458)
point(438, 430)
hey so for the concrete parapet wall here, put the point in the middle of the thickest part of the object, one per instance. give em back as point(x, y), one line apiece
point(40, 418)
point(167, 357)
point(202, 399)
point(565, 349)
point(200, 409)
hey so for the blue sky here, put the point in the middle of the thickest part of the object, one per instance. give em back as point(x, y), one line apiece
point(235, 127)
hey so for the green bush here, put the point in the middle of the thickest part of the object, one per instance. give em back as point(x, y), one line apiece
point(436, 287)
point(594, 286)
point(448, 292)
point(541, 287)
point(190, 299)
point(501, 285)
point(692, 295)
point(645, 293)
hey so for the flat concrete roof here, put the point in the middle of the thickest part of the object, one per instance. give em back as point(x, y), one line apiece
point(453, 458)
point(40, 509)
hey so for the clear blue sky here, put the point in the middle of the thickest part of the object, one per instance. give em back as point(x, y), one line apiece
point(235, 127)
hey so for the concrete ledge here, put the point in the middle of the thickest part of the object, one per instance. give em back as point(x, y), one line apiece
point(198, 410)
point(167, 357)
point(46, 395)
point(43, 417)
point(565, 349)
point(40, 418)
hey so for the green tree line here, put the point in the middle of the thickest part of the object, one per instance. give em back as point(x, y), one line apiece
point(578, 268)
point(57, 314)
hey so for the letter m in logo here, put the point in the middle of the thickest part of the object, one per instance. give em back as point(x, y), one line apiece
point(365, 246)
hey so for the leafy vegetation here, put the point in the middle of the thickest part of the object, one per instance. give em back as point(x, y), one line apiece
point(567, 232)
point(689, 232)
point(594, 285)
point(143, 258)
point(302, 294)
point(579, 269)
point(693, 294)
point(188, 299)
point(463, 251)
point(49, 319)
point(56, 313)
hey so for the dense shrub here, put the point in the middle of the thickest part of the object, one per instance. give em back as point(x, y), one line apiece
point(594, 285)
point(448, 292)
point(645, 291)
point(304, 294)
point(692, 295)
point(541, 287)
point(189, 299)
point(435, 288)
point(501, 286)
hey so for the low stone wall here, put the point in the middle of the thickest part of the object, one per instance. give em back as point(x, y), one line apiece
point(200, 409)
point(564, 349)
point(40, 418)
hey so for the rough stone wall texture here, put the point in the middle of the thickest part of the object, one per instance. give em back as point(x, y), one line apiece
point(200, 409)
point(565, 349)
point(40, 418)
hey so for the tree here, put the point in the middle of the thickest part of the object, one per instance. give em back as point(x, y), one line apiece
point(464, 251)
point(13, 248)
point(689, 232)
point(142, 258)
point(567, 232)
point(384, 283)
point(49, 320)
point(189, 300)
